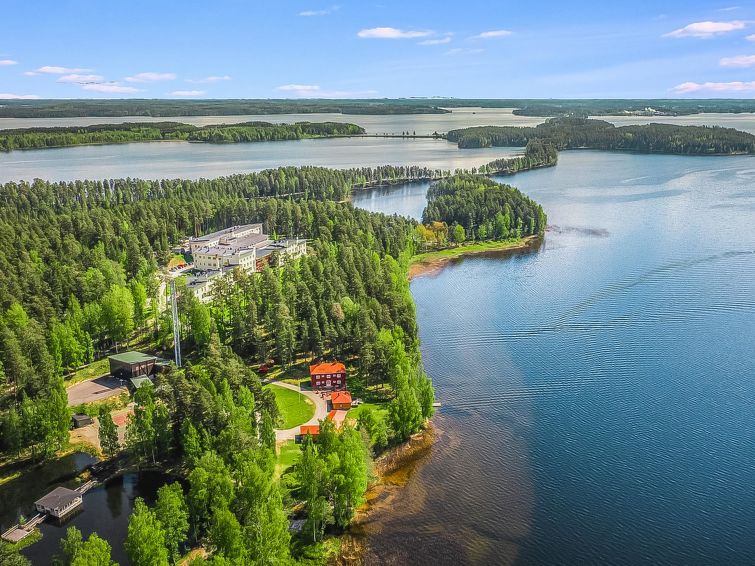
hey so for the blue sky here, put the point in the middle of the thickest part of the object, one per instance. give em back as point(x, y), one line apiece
point(302, 49)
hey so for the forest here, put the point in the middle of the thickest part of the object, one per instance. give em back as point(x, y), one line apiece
point(40, 138)
point(79, 278)
point(433, 105)
point(478, 208)
point(583, 133)
point(226, 107)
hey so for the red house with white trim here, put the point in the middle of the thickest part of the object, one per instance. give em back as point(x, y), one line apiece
point(328, 375)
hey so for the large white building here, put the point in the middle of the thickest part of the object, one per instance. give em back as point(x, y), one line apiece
point(245, 247)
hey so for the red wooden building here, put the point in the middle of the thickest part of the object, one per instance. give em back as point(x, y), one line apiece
point(328, 375)
point(341, 400)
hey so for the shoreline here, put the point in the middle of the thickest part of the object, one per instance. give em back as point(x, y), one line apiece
point(431, 263)
point(393, 470)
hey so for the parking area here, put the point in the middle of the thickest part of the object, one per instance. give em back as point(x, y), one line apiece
point(95, 390)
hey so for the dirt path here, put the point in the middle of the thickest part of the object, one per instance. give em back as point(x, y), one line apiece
point(94, 390)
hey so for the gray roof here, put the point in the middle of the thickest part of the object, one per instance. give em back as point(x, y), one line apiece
point(57, 498)
point(132, 357)
point(225, 232)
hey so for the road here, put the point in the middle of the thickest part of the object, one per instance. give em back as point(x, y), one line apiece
point(321, 411)
point(94, 390)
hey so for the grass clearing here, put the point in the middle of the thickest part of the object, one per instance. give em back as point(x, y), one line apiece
point(469, 248)
point(295, 408)
point(381, 409)
point(287, 455)
point(91, 371)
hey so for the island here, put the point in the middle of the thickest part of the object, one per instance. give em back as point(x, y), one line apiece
point(584, 133)
point(41, 138)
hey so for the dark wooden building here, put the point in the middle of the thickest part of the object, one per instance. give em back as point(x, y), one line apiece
point(132, 364)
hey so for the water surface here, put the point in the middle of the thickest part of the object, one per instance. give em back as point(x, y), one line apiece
point(598, 394)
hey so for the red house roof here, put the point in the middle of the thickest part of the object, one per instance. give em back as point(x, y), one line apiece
point(314, 430)
point(332, 415)
point(327, 367)
point(340, 397)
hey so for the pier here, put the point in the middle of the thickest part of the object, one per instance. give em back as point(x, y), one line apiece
point(58, 503)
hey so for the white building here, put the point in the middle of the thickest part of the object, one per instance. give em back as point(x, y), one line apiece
point(244, 247)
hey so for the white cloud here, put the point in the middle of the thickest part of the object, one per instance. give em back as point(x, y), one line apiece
point(706, 30)
point(314, 91)
point(735, 86)
point(6, 62)
point(738, 61)
point(750, 37)
point(210, 79)
point(493, 34)
point(187, 93)
point(392, 33)
point(53, 70)
point(150, 77)
point(325, 12)
point(113, 88)
point(9, 96)
point(76, 78)
point(463, 51)
point(439, 41)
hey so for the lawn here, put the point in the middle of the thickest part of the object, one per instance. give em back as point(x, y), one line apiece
point(95, 369)
point(380, 409)
point(295, 408)
point(288, 455)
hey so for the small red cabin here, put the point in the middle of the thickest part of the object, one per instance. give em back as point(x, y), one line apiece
point(313, 430)
point(341, 400)
point(328, 375)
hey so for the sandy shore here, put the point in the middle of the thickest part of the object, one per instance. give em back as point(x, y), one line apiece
point(433, 264)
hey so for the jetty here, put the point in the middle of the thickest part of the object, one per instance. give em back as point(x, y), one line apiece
point(58, 504)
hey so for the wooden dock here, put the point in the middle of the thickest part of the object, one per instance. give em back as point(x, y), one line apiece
point(19, 532)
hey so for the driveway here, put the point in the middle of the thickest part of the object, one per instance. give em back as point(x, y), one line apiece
point(321, 411)
point(94, 390)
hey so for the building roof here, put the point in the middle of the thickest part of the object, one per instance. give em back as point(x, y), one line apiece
point(225, 232)
point(81, 417)
point(137, 382)
point(132, 357)
point(327, 367)
point(57, 498)
point(341, 397)
point(331, 415)
point(314, 430)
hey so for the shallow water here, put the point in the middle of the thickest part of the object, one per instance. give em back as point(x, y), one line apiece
point(598, 393)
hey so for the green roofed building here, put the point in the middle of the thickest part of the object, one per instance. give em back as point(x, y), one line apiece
point(132, 364)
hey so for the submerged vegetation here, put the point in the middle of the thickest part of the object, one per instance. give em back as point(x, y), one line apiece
point(39, 138)
point(582, 133)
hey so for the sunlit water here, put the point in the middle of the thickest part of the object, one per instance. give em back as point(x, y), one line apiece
point(598, 394)
point(167, 160)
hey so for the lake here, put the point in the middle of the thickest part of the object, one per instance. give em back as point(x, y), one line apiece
point(106, 508)
point(598, 393)
point(164, 160)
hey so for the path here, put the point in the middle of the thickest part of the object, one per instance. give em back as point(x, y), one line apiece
point(321, 411)
point(94, 390)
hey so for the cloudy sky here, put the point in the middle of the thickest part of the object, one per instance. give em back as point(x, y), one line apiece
point(318, 49)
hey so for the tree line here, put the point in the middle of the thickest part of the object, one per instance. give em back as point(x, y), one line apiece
point(583, 133)
point(119, 108)
point(40, 138)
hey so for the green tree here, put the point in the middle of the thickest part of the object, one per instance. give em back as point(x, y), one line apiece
point(145, 541)
point(173, 514)
point(139, 295)
point(108, 434)
point(458, 235)
point(118, 313)
point(224, 534)
point(94, 552)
